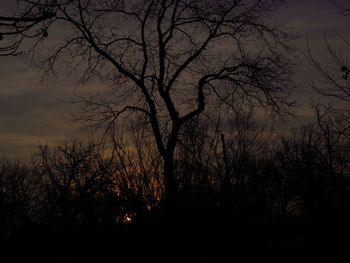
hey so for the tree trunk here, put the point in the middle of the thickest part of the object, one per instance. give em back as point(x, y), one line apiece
point(171, 188)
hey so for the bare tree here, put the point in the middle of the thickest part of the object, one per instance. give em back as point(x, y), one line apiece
point(166, 60)
point(138, 179)
point(334, 84)
point(78, 182)
point(19, 200)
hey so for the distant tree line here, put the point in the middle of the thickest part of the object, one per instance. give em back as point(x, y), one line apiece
point(235, 170)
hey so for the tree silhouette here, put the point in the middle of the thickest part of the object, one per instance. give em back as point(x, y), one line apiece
point(334, 84)
point(167, 61)
point(79, 187)
point(19, 190)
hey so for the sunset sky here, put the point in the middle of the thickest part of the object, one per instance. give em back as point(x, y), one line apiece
point(33, 113)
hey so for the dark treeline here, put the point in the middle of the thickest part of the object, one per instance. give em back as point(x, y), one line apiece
point(236, 172)
point(180, 156)
point(237, 180)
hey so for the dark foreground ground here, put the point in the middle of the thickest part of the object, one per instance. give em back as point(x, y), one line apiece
point(185, 242)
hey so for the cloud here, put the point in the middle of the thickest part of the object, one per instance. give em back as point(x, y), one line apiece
point(31, 113)
point(32, 117)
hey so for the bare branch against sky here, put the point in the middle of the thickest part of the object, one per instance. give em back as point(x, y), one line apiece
point(166, 61)
point(207, 130)
point(31, 112)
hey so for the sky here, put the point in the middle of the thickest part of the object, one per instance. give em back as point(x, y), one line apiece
point(32, 112)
